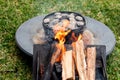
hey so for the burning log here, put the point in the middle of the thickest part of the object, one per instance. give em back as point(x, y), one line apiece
point(56, 75)
point(91, 60)
point(72, 58)
point(80, 60)
point(68, 70)
point(56, 54)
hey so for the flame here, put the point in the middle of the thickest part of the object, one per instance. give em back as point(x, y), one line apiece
point(63, 49)
point(79, 37)
point(60, 36)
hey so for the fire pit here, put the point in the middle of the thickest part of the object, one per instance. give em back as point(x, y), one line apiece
point(67, 46)
point(24, 35)
point(68, 51)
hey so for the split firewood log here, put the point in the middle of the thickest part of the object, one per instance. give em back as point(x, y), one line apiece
point(56, 53)
point(68, 70)
point(80, 60)
point(91, 60)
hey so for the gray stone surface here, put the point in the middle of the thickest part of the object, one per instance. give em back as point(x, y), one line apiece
point(24, 34)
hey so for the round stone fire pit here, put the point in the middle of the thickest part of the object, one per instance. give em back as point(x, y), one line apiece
point(24, 35)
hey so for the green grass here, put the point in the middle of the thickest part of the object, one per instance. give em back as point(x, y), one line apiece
point(13, 63)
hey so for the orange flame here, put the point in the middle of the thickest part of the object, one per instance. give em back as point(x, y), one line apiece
point(63, 49)
point(60, 35)
point(80, 37)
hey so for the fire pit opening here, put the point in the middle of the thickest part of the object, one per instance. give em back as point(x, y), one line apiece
point(65, 55)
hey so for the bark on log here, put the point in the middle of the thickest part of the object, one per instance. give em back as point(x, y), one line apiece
point(68, 70)
point(80, 60)
point(91, 60)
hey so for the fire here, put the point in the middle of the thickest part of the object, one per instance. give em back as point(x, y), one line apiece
point(60, 36)
point(70, 52)
point(79, 37)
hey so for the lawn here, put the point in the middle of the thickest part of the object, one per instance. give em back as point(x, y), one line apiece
point(15, 65)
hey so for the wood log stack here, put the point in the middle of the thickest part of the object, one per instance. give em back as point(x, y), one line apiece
point(40, 60)
point(80, 60)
